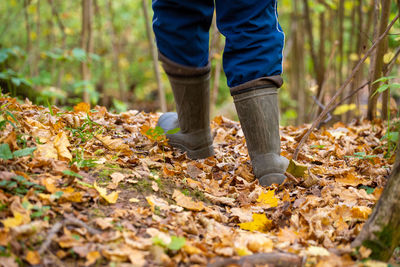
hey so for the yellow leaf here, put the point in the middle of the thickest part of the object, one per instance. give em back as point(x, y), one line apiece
point(50, 186)
point(82, 107)
point(61, 143)
point(260, 223)
point(110, 198)
point(296, 169)
point(33, 257)
point(92, 257)
point(361, 212)
point(243, 251)
point(47, 151)
point(268, 199)
point(17, 220)
point(342, 109)
point(187, 202)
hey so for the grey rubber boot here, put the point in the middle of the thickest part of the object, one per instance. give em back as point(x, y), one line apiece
point(256, 103)
point(191, 88)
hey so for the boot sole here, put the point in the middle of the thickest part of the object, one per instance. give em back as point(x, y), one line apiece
point(201, 153)
point(272, 178)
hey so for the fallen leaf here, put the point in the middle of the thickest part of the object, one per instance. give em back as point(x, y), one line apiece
point(92, 257)
point(268, 199)
point(296, 169)
point(61, 143)
point(33, 257)
point(154, 186)
point(16, 220)
point(260, 223)
point(187, 202)
point(116, 178)
point(361, 212)
point(134, 200)
point(110, 198)
point(316, 251)
point(47, 151)
point(82, 107)
point(115, 144)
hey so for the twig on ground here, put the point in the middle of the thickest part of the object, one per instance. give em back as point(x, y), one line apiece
point(278, 259)
point(77, 222)
point(53, 231)
point(341, 89)
point(57, 227)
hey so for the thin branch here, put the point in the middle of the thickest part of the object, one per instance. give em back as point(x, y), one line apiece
point(57, 227)
point(349, 96)
point(341, 89)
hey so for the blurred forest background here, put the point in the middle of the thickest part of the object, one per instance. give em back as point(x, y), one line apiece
point(102, 51)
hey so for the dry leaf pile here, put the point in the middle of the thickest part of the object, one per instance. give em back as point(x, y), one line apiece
point(101, 188)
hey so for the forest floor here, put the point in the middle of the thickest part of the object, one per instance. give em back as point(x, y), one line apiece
point(87, 187)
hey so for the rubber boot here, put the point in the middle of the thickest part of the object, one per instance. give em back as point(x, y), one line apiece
point(256, 104)
point(191, 88)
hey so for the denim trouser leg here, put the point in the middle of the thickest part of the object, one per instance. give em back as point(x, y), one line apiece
point(254, 38)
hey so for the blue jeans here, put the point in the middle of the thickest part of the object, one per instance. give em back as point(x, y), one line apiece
point(254, 38)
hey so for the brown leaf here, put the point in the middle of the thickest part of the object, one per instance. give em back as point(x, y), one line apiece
point(61, 143)
point(115, 144)
point(187, 202)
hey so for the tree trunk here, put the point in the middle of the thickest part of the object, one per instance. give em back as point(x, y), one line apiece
point(28, 36)
point(61, 26)
point(86, 43)
point(36, 50)
point(377, 65)
point(297, 64)
point(116, 51)
point(341, 11)
point(161, 93)
point(381, 232)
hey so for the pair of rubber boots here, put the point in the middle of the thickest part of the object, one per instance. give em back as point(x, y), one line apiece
point(256, 103)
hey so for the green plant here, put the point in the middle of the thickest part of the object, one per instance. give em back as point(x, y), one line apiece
point(390, 136)
point(87, 131)
point(362, 156)
point(6, 154)
point(19, 185)
point(176, 243)
point(80, 160)
point(6, 117)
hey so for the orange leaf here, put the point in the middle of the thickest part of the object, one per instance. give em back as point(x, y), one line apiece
point(82, 107)
point(187, 202)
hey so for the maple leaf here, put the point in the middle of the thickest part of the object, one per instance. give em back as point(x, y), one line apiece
point(268, 199)
point(110, 198)
point(260, 223)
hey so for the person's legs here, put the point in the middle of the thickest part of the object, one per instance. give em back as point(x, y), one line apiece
point(182, 34)
point(182, 30)
point(253, 64)
point(254, 39)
